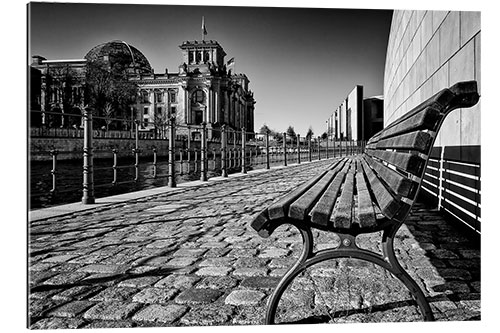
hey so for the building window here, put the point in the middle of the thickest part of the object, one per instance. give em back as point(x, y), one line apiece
point(146, 121)
point(191, 57)
point(159, 111)
point(199, 96)
point(206, 56)
point(173, 110)
point(173, 97)
point(158, 97)
point(146, 110)
point(198, 57)
point(145, 97)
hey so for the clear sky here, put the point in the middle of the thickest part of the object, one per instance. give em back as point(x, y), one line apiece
point(301, 62)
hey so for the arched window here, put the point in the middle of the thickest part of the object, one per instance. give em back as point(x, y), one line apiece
point(198, 57)
point(198, 97)
point(206, 56)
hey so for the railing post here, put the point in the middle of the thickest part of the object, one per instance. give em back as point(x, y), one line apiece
point(154, 162)
point(204, 164)
point(115, 166)
point(88, 165)
point(327, 154)
point(284, 148)
point(224, 151)
point(268, 165)
point(53, 172)
point(319, 148)
point(171, 154)
point(298, 148)
point(189, 148)
point(243, 150)
point(334, 146)
point(136, 151)
point(309, 147)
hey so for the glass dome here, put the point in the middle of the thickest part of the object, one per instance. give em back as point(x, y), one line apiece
point(111, 51)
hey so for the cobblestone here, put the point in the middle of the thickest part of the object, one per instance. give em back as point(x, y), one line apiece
point(244, 297)
point(135, 265)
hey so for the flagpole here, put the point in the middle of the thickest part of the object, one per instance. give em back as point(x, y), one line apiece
point(203, 28)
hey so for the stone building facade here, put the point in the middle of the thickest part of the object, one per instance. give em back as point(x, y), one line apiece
point(202, 90)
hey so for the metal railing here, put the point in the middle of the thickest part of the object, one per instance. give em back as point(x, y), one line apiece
point(180, 152)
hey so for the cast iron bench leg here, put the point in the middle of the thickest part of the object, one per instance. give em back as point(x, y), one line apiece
point(347, 249)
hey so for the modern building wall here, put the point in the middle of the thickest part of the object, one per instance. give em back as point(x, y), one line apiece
point(428, 51)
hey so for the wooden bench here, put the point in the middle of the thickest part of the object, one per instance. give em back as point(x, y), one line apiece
point(366, 193)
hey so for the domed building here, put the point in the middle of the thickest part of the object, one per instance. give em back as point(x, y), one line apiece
point(201, 90)
point(120, 51)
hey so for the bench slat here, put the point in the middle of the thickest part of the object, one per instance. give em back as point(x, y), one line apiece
point(301, 207)
point(397, 183)
point(279, 209)
point(388, 205)
point(426, 119)
point(320, 214)
point(366, 212)
point(411, 141)
point(411, 163)
point(342, 214)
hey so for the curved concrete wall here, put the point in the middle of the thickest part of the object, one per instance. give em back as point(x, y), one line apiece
point(429, 51)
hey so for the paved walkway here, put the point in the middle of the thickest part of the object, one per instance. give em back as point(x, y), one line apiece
point(188, 257)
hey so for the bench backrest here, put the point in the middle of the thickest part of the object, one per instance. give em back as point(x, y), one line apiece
point(395, 158)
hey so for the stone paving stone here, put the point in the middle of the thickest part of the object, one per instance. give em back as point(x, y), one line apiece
point(71, 309)
point(44, 294)
point(154, 295)
point(65, 278)
point(60, 258)
point(240, 253)
point(250, 271)
point(218, 282)
point(109, 324)
point(41, 266)
point(157, 313)
point(207, 315)
point(213, 271)
point(244, 297)
point(114, 293)
point(249, 315)
point(111, 311)
point(273, 253)
point(77, 292)
point(37, 307)
point(278, 272)
point(36, 278)
point(216, 262)
point(455, 274)
point(57, 323)
point(217, 245)
point(250, 262)
point(98, 268)
point(196, 253)
point(198, 296)
point(258, 282)
point(139, 282)
point(216, 252)
point(181, 261)
point(177, 281)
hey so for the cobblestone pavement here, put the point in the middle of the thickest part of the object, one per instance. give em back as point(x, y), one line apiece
point(189, 257)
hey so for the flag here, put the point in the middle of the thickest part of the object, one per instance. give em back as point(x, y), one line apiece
point(230, 62)
point(203, 28)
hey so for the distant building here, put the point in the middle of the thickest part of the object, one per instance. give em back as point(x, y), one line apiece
point(356, 118)
point(202, 90)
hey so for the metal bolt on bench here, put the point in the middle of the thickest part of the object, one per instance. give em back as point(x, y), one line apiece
point(380, 186)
